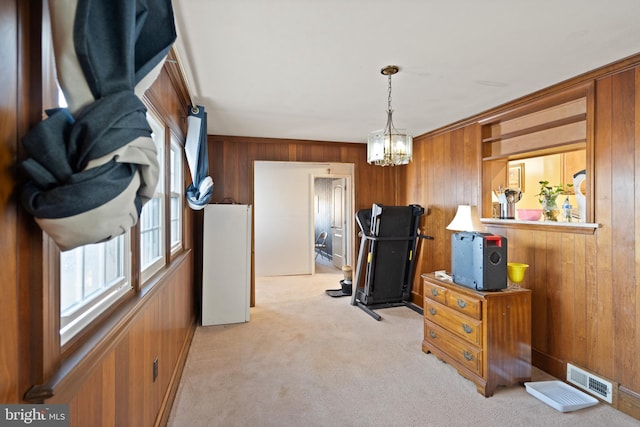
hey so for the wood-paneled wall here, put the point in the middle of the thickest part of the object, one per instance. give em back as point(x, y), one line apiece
point(231, 166)
point(120, 390)
point(113, 385)
point(586, 287)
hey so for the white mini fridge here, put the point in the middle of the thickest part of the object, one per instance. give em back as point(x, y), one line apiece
point(226, 264)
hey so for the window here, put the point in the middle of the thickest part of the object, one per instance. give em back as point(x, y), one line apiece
point(175, 189)
point(92, 278)
point(86, 291)
point(152, 255)
point(549, 139)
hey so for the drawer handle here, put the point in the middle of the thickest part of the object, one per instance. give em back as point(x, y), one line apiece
point(467, 355)
point(433, 334)
point(462, 303)
point(434, 292)
point(468, 329)
point(432, 311)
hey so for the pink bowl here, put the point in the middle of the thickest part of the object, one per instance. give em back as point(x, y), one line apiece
point(529, 214)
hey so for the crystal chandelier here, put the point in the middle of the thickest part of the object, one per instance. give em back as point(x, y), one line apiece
point(389, 146)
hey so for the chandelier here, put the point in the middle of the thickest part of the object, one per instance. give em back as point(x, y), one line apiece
point(389, 146)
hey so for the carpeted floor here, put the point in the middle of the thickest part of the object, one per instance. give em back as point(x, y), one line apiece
point(306, 359)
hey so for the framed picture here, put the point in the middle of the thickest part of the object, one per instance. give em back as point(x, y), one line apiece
point(516, 176)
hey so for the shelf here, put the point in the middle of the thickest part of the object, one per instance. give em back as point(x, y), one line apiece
point(566, 227)
point(538, 128)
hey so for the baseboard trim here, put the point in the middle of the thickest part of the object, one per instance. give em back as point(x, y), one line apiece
point(629, 402)
point(549, 364)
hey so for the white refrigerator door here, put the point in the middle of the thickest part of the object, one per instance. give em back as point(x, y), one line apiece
point(226, 271)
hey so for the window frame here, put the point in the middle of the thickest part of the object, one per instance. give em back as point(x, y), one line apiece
point(176, 149)
point(94, 307)
point(160, 260)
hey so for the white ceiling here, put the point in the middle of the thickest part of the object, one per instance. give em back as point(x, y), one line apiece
point(310, 69)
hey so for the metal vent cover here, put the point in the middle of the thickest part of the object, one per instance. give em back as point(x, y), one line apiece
point(590, 383)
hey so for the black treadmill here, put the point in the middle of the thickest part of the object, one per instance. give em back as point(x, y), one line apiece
point(389, 238)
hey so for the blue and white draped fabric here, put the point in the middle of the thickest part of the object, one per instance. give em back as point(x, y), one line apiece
point(200, 190)
point(92, 166)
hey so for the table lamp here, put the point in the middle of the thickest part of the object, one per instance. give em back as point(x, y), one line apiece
point(466, 219)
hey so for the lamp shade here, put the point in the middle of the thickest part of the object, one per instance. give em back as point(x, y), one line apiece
point(466, 219)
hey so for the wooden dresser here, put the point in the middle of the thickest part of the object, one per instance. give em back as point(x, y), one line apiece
point(486, 336)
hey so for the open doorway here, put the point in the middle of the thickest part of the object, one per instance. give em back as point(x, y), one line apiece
point(331, 213)
point(284, 216)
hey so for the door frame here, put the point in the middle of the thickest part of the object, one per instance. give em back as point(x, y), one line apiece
point(313, 170)
point(349, 210)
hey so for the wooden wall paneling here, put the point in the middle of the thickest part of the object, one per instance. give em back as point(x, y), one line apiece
point(601, 356)
point(163, 94)
point(150, 350)
point(623, 216)
point(233, 157)
point(454, 158)
point(539, 288)
point(9, 366)
point(636, 240)
point(94, 404)
point(401, 188)
point(552, 277)
point(578, 303)
point(472, 165)
point(411, 186)
point(435, 196)
point(566, 284)
point(590, 302)
point(130, 406)
point(629, 396)
point(34, 358)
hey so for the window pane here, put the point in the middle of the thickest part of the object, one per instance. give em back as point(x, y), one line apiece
point(174, 168)
point(175, 220)
point(152, 227)
point(92, 278)
point(150, 230)
point(176, 196)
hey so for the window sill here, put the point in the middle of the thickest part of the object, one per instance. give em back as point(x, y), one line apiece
point(565, 227)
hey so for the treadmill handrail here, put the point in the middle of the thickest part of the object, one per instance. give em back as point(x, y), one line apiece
point(374, 238)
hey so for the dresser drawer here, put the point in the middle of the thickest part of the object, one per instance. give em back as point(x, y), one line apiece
point(435, 292)
point(463, 326)
point(464, 304)
point(460, 351)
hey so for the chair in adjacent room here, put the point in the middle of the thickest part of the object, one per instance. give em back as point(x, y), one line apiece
point(321, 245)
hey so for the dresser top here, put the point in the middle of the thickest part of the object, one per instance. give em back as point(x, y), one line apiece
point(464, 289)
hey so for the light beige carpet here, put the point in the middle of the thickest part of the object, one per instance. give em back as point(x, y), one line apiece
point(306, 359)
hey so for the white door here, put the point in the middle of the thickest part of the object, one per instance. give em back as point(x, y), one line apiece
point(338, 222)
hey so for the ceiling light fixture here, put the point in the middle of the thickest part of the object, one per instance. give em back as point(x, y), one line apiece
point(389, 146)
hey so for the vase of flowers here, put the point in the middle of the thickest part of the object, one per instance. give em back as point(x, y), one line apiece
point(547, 198)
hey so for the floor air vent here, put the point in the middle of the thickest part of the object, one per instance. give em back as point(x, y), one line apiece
point(590, 383)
